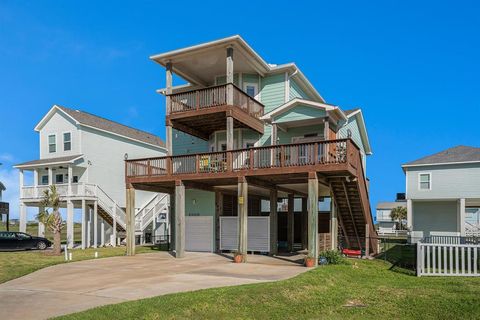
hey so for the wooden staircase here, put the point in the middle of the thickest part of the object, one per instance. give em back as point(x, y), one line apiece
point(107, 217)
point(354, 213)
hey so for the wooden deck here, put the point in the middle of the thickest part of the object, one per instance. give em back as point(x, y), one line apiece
point(202, 112)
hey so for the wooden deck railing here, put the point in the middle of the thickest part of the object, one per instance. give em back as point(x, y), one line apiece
point(278, 156)
point(214, 97)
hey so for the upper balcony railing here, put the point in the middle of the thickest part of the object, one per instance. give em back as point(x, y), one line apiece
point(277, 156)
point(215, 97)
point(63, 189)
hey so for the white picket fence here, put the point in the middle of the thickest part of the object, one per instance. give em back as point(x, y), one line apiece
point(439, 259)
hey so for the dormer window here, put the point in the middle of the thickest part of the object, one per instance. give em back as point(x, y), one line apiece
point(67, 141)
point(52, 143)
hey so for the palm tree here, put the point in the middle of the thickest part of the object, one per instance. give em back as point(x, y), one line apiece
point(399, 214)
point(52, 219)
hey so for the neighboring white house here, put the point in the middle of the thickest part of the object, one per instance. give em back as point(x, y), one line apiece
point(83, 155)
point(443, 193)
point(385, 224)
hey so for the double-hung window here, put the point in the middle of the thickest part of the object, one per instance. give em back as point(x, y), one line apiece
point(52, 143)
point(425, 181)
point(67, 141)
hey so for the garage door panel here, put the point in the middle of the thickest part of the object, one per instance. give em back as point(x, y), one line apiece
point(199, 233)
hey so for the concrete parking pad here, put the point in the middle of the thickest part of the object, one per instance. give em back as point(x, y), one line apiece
point(78, 286)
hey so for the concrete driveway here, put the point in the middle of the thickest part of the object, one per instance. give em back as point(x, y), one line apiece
point(78, 286)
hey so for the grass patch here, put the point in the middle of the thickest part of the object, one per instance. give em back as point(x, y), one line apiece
point(20, 263)
point(362, 290)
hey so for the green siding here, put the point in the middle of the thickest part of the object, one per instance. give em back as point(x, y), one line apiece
point(355, 129)
point(272, 92)
point(265, 139)
point(223, 80)
point(183, 143)
point(204, 205)
point(250, 78)
point(286, 137)
point(300, 112)
point(296, 91)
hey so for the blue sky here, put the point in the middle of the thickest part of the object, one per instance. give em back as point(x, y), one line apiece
point(411, 66)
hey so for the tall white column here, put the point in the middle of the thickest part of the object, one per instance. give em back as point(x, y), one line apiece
point(95, 224)
point(169, 85)
point(461, 217)
point(313, 215)
point(20, 182)
point(50, 176)
point(102, 232)
point(70, 224)
point(154, 228)
point(35, 183)
point(229, 76)
point(23, 217)
point(41, 225)
point(333, 226)
point(70, 178)
point(179, 219)
point(89, 227)
point(84, 224)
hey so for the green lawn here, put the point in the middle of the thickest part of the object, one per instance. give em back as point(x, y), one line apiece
point(20, 263)
point(365, 290)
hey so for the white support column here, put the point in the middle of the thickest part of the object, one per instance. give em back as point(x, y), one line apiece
point(461, 217)
point(23, 217)
point(154, 228)
point(70, 224)
point(313, 215)
point(70, 178)
point(89, 227)
point(274, 137)
point(113, 240)
point(409, 215)
point(95, 224)
point(41, 225)
point(84, 225)
point(35, 183)
point(102, 232)
point(50, 176)
point(20, 182)
point(242, 217)
point(229, 133)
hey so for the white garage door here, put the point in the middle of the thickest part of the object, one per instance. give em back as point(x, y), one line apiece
point(199, 233)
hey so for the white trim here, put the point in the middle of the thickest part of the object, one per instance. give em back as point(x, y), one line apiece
point(363, 130)
point(63, 141)
point(429, 181)
point(41, 165)
point(292, 103)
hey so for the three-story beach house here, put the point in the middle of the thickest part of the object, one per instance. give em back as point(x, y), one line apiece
point(243, 134)
point(83, 155)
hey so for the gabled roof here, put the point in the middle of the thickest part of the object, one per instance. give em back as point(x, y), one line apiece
point(455, 155)
point(357, 112)
point(240, 45)
point(92, 121)
point(297, 101)
point(49, 161)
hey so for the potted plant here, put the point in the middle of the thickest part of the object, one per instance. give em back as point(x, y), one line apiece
point(310, 260)
point(237, 257)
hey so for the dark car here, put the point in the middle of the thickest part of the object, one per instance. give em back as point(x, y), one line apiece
point(22, 241)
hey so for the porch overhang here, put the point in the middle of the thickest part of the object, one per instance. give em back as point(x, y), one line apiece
point(41, 163)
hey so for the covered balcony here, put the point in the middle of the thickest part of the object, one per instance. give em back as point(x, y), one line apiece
point(204, 111)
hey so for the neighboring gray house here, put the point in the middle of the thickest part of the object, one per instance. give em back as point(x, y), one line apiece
point(83, 155)
point(385, 224)
point(443, 193)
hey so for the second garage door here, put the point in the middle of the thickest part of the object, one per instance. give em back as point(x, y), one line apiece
point(199, 233)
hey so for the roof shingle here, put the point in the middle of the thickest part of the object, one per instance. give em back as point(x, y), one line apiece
point(92, 120)
point(455, 154)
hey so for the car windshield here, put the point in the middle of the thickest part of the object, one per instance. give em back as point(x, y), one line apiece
point(23, 236)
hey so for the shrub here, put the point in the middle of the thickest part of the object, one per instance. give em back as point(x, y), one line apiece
point(333, 257)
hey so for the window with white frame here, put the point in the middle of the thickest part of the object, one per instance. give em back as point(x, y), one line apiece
point(44, 180)
point(425, 181)
point(67, 141)
point(251, 89)
point(52, 143)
